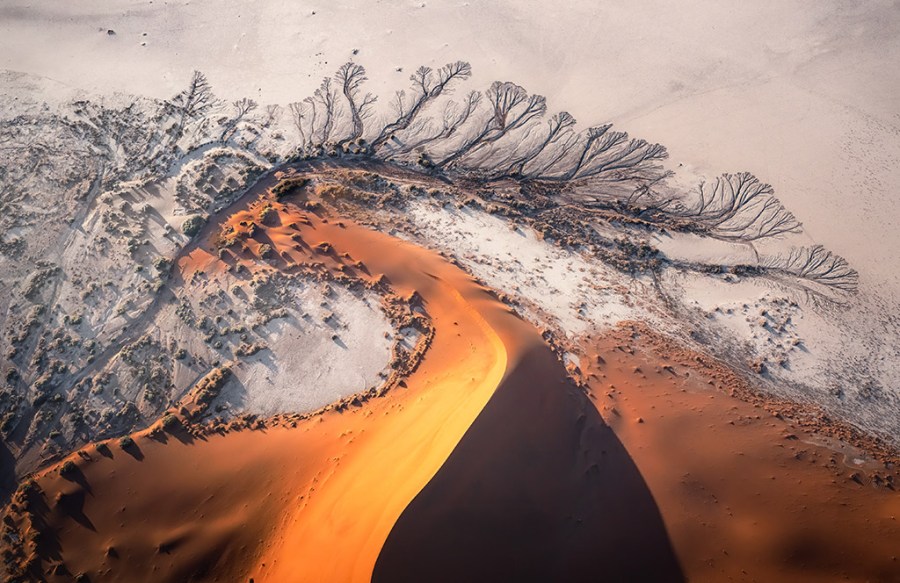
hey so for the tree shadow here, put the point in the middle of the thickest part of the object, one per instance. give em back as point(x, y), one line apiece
point(538, 489)
point(133, 450)
point(181, 433)
point(8, 482)
point(72, 505)
point(77, 476)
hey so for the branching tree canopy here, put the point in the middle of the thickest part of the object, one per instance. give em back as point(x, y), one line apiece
point(818, 265)
point(510, 109)
point(194, 102)
point(351, 77)
point(242, 107)
point(738, 207)
point(427, 86)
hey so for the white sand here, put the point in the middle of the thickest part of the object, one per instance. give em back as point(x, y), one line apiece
point(804, 95)
point(311, 362)
point(559, 288)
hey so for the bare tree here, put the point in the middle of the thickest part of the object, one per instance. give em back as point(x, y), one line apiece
point(454, 116)
point(193, 103)
point(273, 114)
point(351, 77)
point(738, 207)
point(559, 126)
point(511, 109)
point(428, 87)
point(818, 265)
point(241, 107)
point(300, 111)
point(604, 153)
point(324, 99)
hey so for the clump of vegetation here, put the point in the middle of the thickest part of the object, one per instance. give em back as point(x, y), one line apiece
point(288, 185)
point(69, 468)
point(334, 191)
point(170, 422)
point(246, 349)
point(126, 442)
point(267, 214)
point(208, 388)
point(162, 265)
point(192, 225)
point(265, 250)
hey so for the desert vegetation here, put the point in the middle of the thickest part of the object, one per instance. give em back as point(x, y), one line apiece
point(91, 249)
point(503, 138)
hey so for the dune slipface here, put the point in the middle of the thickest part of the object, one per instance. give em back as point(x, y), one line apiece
point(539, 489)
point(485, 461)
point(316, 502)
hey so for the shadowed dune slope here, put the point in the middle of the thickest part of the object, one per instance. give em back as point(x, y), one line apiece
point(746, 494)
point(539, 489)
point(316, 502)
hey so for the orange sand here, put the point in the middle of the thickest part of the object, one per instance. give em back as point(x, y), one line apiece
point(745, 495)
point(314, 503)
point(487, 464)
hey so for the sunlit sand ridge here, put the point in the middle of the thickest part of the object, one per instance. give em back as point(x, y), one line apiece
point(291, 497)
point(487, 462)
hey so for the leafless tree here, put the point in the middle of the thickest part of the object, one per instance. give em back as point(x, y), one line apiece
point(241, 108)
point(300, 112)
point(325, 100)
point(273, 114)
point(600, 152)
point(511, 109)
point(559, 127)
point(818, 265)
point(193, 103)
point(428, 86)
point(351, 77)
point(738, 207)
point(454, 116)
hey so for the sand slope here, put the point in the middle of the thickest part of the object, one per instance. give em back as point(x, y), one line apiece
point(335, 481)
point(487, 463)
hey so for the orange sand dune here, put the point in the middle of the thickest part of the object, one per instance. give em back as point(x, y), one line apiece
point(745, 494)
point(315, 502)
point(539, 489)
point(487, 464)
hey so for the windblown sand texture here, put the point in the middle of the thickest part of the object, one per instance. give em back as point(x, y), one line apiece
point(487, 463)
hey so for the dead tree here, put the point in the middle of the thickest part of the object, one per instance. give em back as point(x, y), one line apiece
point(818, 265)
point(428, 87)
point(315, 116)
point(273, 114)
point(193, 103)
point(738, 207)
point(300, 111)
point(511, 109)
point(242, 107)
point(601, 153)
point(454, 116)
point(351, 77)
point(324, 99)
point(559, 127)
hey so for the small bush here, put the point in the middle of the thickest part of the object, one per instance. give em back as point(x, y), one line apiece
point(267, 214)
point(192, 225)
point(161, 264)
point(287, 185)
point(126, 442)
point(170, 422)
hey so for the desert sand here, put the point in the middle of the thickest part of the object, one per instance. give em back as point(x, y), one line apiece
point(253, 335)
point(487, 462)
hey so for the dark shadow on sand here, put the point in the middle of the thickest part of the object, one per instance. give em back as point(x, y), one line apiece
point(538, 489)
point(8, 481)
